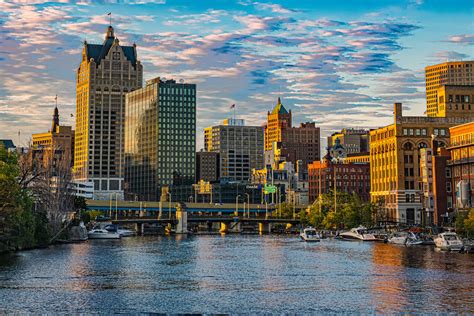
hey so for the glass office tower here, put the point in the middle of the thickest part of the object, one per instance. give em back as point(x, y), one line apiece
point(160, 138)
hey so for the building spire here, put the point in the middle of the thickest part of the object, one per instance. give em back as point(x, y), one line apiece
point(110, 32)
point(55, 122)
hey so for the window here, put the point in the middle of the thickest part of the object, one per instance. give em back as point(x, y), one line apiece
point(436, 131)
point(448, 187)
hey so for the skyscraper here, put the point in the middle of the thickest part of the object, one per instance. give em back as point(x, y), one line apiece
point(106, 73)
point(160, 138)
point(454, 74)
point(240, 149)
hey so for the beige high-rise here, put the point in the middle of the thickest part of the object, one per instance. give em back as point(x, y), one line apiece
point(106, 73)
point(458, 73)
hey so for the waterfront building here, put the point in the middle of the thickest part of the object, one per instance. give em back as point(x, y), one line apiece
point(289, 143)
point(160, 142)
point(329, 174)
point(207, 166)
point(106, 73)
point(58, 141)
point(438, 77)
point(355, 141)
point(436, 185)
point(240, 149)
point(462, 164)
point(395, 162)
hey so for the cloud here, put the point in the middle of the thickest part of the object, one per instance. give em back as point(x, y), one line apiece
point(449, 56)
point(463, 39)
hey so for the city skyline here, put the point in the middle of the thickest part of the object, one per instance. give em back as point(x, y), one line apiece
point(326, 62)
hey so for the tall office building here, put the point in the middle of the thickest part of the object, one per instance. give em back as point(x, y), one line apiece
point(160, 142)
point(459, 73)
point(395, 163)
point(107, 72)
point(240, 149)
point(286, 143)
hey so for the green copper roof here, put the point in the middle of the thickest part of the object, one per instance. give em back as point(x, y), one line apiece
point(279, 108)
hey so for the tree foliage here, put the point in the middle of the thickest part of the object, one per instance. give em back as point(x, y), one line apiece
point(20, 226)
point(349, 211)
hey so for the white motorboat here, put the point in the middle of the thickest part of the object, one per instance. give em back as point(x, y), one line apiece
point(120, 230)
point(126, 232)
point(448, 241)
point(309, 234)
point(99, 233)
point(358, 233)
point(405, 238)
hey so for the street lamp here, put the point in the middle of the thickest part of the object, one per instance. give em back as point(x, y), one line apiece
point(237, 205)
point(169, 205)
point(248, 205)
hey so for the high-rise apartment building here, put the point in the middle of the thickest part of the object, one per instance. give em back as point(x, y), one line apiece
point(459, 73)
point(107, 72)
point(160, 138)
point(289, 143)
point(395, 163)
point(240, 149)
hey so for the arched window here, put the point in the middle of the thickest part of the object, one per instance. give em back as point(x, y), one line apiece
point(422, 145)
point(408, 146)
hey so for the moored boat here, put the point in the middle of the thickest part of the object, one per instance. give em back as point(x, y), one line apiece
point(448, 241)
point(358, 233)
point(309, 234)
point(99, 233)
point(405, 238)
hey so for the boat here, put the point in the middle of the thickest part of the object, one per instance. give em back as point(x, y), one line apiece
point(309, 234)
point(448, 241)
point(405, 238)
point(358, 233)
point(99, 233)
point(120, 230)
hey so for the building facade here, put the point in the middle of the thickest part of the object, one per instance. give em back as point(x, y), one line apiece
point(106, 73)
point(240, 150)
point(289, 143)
point(207, 166)
point(459, 73)
point(160, 142)
point(59, 140)
point(395, 163)
point(325, 176)
point(355, 141)
point(455, 101)
point(462, 165)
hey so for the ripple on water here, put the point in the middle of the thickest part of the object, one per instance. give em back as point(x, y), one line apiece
point(235, 274)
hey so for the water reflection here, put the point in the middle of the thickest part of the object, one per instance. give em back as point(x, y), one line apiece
point(231, 273)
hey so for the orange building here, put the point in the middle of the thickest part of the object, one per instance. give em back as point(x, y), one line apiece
point(286, 143)
point(462, 164)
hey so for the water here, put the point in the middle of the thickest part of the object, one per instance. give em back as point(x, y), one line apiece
point(235, 274)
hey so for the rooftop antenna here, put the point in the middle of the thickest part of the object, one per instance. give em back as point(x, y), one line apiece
point(110, 17)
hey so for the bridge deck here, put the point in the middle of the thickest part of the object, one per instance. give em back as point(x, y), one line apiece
point(204, 219)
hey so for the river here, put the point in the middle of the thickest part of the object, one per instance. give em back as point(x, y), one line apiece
point(235, 274)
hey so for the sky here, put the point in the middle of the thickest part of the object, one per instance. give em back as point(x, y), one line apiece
point(337, 63)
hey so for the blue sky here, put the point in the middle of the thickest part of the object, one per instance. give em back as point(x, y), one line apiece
point(338, 63)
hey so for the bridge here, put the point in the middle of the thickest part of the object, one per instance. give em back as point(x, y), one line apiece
point(169, 213)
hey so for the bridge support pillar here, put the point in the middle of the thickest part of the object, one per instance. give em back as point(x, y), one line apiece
point(224, 228)
point(182, 217)
point(264, 228)
point(235, 227)
point(140, 228)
